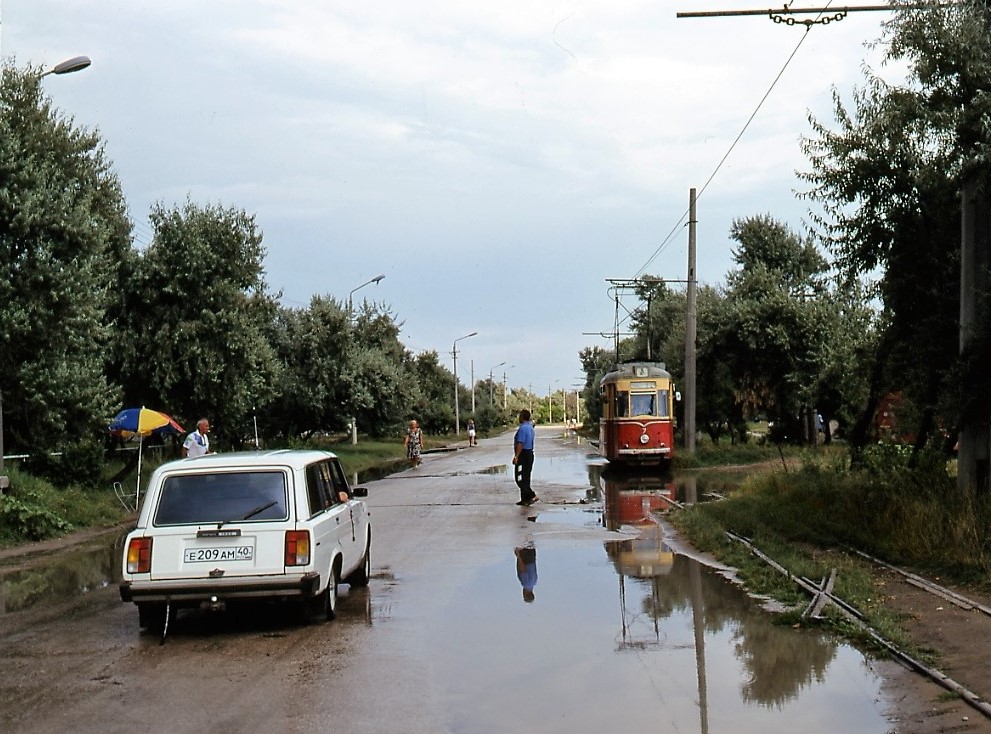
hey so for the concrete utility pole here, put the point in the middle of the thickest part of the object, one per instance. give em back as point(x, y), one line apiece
point(690, 330)
point(975, 260)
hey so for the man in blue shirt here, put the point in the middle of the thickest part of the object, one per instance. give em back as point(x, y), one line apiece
point(523, 458)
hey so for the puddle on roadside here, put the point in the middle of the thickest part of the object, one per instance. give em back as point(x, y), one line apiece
point(628, 636)
point(67, 574)
point(573, 517)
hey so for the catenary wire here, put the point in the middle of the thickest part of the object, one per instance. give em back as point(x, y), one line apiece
point(667, 240)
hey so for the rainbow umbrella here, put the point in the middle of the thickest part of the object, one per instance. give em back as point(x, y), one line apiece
point(142, 422)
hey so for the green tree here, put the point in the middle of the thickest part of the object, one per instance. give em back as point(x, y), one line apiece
point(434, 403)
point(775, 327)
point(887, 178)
point(63, 229)
point(596, 362)
point(380, 389)
point(195, 324)
point(313, 346)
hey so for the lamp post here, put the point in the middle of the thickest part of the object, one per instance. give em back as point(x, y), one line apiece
point(454, 352)
point(505, 388)
point(376, 279)
point(76, 63)
point(492, 384)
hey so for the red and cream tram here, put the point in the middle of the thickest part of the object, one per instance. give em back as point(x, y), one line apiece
point(637, 425)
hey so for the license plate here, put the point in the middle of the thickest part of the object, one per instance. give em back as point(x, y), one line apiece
point(209, 555)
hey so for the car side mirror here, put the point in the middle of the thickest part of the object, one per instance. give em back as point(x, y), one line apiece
point(359, 491)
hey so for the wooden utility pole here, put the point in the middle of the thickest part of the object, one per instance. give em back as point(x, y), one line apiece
point(690, 331)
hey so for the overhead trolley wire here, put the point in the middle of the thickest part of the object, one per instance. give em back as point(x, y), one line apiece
point(680, 222)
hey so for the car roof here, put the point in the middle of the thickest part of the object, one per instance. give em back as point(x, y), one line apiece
point(296, 458)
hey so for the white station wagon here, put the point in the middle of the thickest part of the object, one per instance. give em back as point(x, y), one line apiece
point(276, 525)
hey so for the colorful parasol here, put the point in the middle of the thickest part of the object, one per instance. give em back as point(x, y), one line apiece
point(142, 422)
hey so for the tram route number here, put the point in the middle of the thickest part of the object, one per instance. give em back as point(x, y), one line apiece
point(206, 555)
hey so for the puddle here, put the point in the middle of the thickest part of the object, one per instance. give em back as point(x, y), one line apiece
point(68, 574)
point(628, 636)
point(574, 517)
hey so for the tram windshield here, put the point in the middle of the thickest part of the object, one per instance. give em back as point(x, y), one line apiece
point(652, 403)
point(643, 404)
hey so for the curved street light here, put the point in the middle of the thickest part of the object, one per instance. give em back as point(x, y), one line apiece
point(376, 279)
point(76, 63)
point(454, 352)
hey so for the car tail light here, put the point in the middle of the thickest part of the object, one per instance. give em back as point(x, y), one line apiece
point(297, 547)
point(139, 555)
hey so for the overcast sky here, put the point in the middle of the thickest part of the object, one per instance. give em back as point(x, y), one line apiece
point(495, 161)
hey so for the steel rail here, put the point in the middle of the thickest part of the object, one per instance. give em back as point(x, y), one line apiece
point(930, 586)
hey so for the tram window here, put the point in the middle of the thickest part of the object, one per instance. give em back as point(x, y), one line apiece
point(643, 404)
point(622, 404)
point(662, 402)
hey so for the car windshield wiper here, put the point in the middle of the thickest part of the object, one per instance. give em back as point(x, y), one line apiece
point(249, 515)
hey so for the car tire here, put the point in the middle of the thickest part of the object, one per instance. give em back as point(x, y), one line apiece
point(360, 576)
point(331, 591)
point(151, 616)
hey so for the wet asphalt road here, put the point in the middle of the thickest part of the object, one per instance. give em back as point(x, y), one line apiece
point(444, 638)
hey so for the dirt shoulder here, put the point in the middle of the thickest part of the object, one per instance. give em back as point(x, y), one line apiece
point(958, 639)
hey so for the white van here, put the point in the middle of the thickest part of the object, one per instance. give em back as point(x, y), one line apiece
point(280, 525)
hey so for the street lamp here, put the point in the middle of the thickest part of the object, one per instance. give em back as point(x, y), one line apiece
point(76, 63)
point(376, 279)
point(492, 384)
point(454, 352)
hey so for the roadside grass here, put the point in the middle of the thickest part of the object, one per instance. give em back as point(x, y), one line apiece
point(725, 453)
point(34, 509)
point(809, 521)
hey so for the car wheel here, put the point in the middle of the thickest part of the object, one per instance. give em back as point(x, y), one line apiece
point(331, 591)
point(360, 576)
point(151, 616)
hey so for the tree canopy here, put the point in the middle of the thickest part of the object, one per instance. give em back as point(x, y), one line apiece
point(63, 229)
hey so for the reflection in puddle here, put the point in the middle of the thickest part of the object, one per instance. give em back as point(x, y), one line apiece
point(631, 637)
point(574, 517)
point(65, 575)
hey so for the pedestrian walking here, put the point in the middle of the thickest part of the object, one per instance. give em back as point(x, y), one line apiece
point(471, 432)
point(523, 458)
point(413, 443)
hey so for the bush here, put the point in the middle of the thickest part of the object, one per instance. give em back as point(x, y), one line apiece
point(79, 463)
point(22, 520)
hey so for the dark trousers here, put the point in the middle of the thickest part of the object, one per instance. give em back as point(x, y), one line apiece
point(524, 468)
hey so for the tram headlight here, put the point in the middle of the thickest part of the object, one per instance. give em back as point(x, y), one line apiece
point(644, 438)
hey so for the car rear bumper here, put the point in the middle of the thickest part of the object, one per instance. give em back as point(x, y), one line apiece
point(200, 590)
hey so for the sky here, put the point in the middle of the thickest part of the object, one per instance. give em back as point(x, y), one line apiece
point(496, 162)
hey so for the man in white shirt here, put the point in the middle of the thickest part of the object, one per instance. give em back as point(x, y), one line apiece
point(197, 443)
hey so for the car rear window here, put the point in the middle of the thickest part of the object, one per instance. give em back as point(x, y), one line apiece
point(250, 496)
